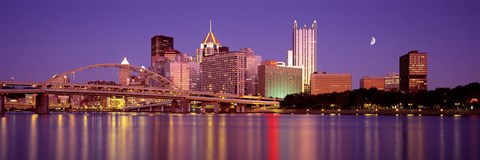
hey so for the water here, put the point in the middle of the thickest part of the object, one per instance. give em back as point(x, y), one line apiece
point(236, 136)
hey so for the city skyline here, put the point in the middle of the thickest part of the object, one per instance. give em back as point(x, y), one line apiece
point(51, 38)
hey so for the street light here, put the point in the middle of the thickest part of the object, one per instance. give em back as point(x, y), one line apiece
point(457, 104)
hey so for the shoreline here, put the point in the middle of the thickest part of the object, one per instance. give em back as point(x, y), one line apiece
point(319, 112)
point(373, 112)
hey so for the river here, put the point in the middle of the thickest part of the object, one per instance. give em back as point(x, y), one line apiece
point(130, 135)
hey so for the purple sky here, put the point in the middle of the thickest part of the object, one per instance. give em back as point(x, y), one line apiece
point(40, 39)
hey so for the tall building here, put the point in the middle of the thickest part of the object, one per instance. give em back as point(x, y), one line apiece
point(329, 83)
point(194, 75)
point(305, 51)
point(233, 73)
point(178, 73)
point(392, 82)
point(160, 44)
point(124, 73)
point(372, 82)
point(277, 80)
point(183, 72)
point(413, 71)
point(209, 46)
point(251, 74)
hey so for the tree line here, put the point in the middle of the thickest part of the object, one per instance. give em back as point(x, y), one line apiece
point(460, 97)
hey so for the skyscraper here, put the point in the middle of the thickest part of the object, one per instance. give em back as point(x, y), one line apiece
point(413, 71)
point(209, 46)
point(277, 80)
point(182, 71)
point(233, 73)
point(305, 51)
point(160, 44)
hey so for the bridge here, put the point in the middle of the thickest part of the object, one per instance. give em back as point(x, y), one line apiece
point(179, 100)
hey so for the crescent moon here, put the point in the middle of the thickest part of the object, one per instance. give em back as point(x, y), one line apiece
point(372, 42)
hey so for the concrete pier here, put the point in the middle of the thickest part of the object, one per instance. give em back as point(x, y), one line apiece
point(2, 104)
point(185, 106)
point(41, 103)
point(204, 108)
point(240, 108)
point(216, 107)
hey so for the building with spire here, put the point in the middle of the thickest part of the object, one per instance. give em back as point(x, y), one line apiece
point(124, 73)
point(209, 46)
point(305, 51)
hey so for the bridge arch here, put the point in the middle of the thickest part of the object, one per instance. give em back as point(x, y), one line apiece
point(143, 71)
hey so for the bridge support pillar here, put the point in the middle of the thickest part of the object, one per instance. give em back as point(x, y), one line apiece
point(204, 108)
point(174, 106)
point(41, 103)
point(224, 107)
point(240, 108)
point(2, 104)
point(185, 106)
point(216, 107)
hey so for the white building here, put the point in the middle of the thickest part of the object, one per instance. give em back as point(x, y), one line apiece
point(305, 51)
point(290, 58)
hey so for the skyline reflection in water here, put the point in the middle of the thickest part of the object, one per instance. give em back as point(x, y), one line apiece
point(236, 136)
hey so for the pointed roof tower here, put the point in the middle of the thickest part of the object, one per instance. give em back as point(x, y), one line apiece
point(124, 60)
point(210, 37)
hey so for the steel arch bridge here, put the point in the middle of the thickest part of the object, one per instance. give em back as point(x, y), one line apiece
point(164, 82)
point(167, 90)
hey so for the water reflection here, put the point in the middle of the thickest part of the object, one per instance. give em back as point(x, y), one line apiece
point(246, 136)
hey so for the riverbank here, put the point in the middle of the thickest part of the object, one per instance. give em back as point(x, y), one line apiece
point(321, 112)
point(371, 112)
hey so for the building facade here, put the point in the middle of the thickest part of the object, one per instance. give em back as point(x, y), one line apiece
point(160, 44)
point(124, 73)
point(305, 51)
point(194, 75)
point(183, 72)
point(209, 46)
point(232, 73)
point(413, 71)
point(179, 68)
point(277, 80)
point(392, 82)
point(289, 57)
point(372, 82)
point(251, 74)
point(329, 83)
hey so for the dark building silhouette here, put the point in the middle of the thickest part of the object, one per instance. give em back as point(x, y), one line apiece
point(413, 71)
point(160, 44)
